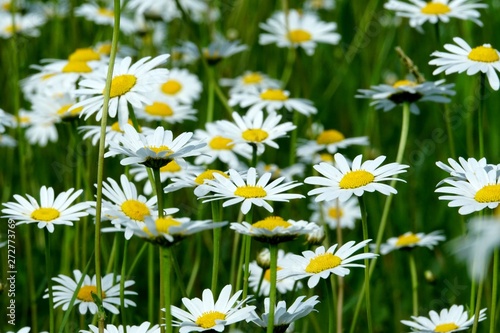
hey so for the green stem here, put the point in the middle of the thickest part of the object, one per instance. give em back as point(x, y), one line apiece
point(478, 306)
point(216, 217)
point(100, 163)
point(293, 140)
point(48, 272)
point(195, 267)
point(340, 296)
point(167, 258)
point(273, 249)
point(122, 284)
point(137, 258)
point(159, 191)
point(364, 223)
point(151, 281)
point(385, 213)
point(248, 244)
point(211, 90)
point(287, 71)
point(494, 291)
point(414, 283)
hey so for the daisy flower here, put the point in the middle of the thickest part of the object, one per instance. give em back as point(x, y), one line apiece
point(289, 172)
point(110, 296)
point(411, 240)
point(449, 320)
point(6, 120)
point(205, 315)
point(250, 81)
point(461, 58)
point(50, 211)
point(272, 100)
point(163, 109)
point(480, 189)
point(104, 16)
point(145, 327)
point(334, 212)
point(169, 171)
point(248, 192)
point(155, 150)
point(321, 263)
point(221, 48)
point(181, 86)
point(125, 203)
point(131, 83)
point(344, 181)
point(255, 130)
point(297, 29)
point(283, 317)
point(194, 178)
point(220, 147)
point(331, 140)
point(386, 97)
point(167, 231)
point(419, 11)
point(114, 132)
point(7, 141)
point(477, 246)
point(273, 229)
point(24, 24)
point(257, 272)
point(457, 170)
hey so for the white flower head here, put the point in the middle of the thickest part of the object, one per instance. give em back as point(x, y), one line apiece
point(410, 240)
point(145, 327)
point(334, 212)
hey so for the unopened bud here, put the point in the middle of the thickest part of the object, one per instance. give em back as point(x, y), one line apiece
point(316, 236)
point(264, 259)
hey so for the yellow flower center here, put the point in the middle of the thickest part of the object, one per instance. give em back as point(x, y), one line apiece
point(84, 55)
point(267, 274)
point(250, 192)
point(273, 95)
point(163, 224)
point(63, 111)
point(105, 49)
point(435, 8)
point(76, 67)
point(121, 84)
point(483, 53)
point(116, 126)
point(208, 175)
point(85, 293)
point(405, 240)
point(106, 12)
point(221, 143)
point(271, 222)
point(325, 157)
point(329, 137)
point(299, 36)
point(252, 78)
point(160, 149)
point(356, 178)
point(323, 262)
point(489, 193)
point(404, 83)
point(255, 135)
point(172, 166)
point(207, 319)
point(171, 87)
point(445, 327)
point(135, 209)
point(45, 214)
point(159, 109)
point(10, 29)
point(335, 213)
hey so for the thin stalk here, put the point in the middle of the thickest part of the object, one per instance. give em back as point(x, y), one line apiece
point(48, 272)
point(293, 139)
point(122, 284)
point(273, 249)
point(137, 258)
point(223, 100)
point(385, 213)
point(494, 291)
point(340, 279)
point(248, 245)
point(414, 283)
point(211, 95)
point(162, 295)
point(216, 217)
point(195, 267)
point(364, 222)
point(100, 161)
point(159, 191)
point(151, 281)
point(478, 306)
point(167, 258)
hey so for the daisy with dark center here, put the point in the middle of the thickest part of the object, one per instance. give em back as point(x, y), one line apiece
point(411, 240)
point(449, 320)
point(256, 130)
point(271, 100)
point(321, 263)
point(386, 97)
point(436, 11)
point(463, 58)
point(252, 191)
point(479, 189)
point(296, 29)
point(155, 150)
point(49, 211)
point(344, 181)
point(131, 84)
point(330, 140)
point(206, 315)
point(110, 297)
